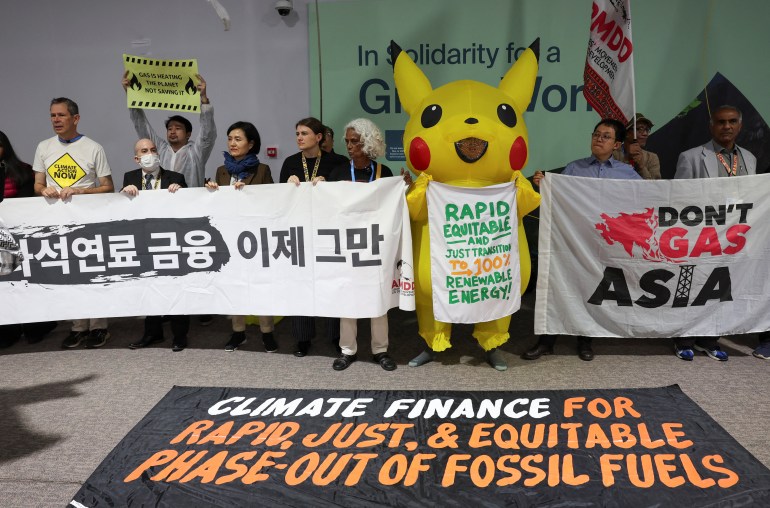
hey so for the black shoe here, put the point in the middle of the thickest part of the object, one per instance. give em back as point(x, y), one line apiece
point(145, 341)
point(236, 339)
point(537, 351)
point(179, 345)
point(585, 352)
point(302, 348)
point(36, 332)
point(74, 339)
point(205, 320)
point(269, 342)
point(97, 338)
point(385, 361)
point(344, 361)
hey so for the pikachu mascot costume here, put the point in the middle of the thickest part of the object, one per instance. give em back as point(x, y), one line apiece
point(468, 134)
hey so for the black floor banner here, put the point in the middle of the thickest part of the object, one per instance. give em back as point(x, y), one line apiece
point(308, 448)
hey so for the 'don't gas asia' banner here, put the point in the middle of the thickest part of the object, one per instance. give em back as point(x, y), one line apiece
point(419, 448)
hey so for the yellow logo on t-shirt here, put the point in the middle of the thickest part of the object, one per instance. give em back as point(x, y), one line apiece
point(65, 171)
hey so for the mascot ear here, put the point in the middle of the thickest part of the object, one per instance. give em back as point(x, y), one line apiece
point(519, 81)
point(412, 85)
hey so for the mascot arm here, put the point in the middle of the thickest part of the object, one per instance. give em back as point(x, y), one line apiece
point(527, 199)
point(416, 200)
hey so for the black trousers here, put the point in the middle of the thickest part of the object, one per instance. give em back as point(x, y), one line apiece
point(180, 325)
point(689, 342)
point(303, 328)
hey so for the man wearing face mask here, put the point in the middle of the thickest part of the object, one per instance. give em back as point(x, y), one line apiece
point(151, 176)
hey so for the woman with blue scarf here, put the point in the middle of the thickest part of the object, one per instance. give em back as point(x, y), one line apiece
point(242, 167)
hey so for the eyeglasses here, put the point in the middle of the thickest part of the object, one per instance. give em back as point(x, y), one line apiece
point(603, 137)
point(643, 129)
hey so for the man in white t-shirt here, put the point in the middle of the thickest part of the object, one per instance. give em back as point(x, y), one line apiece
point(67, 164)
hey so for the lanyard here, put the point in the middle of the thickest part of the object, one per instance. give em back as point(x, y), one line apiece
point(315, 167)
point(730, 171)
point(353, 172)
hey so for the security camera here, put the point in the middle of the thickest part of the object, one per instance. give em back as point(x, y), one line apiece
point(283, 7)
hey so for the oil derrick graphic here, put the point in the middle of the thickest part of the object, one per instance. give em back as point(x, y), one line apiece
point(683, 286)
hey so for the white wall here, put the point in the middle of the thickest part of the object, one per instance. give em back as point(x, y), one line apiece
point(257, 71)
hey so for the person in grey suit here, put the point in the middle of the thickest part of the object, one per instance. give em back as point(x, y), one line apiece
point(720, 157)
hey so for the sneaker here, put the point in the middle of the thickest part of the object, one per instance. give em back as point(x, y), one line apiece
point(97, 338)
point(684, 353)
point(715, 354)
point(495, 359)
point(269, 342)
point(762, 351)
point(74, 339)
point(236, 339)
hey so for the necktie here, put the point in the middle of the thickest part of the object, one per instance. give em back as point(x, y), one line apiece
point(148, 182)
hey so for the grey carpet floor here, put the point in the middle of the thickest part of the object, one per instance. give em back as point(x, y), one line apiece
point(62, 412)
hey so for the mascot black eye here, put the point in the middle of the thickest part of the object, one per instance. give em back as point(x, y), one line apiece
point(506, 114)
point(430, 116)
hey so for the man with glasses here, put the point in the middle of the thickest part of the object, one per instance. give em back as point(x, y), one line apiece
point(605, 139)
point(632, 150)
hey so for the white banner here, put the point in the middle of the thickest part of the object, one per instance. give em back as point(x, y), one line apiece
point(663, 258)
point(336, 249)
point(474, 251)
point(608, 77)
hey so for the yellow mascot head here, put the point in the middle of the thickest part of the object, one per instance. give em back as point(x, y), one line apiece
point(466, 133)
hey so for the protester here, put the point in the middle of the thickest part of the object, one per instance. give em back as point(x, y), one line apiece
point(327, 145)
point(18, 181)
point(152, 176)
point(308, 165)
point(606, 137)
point(720, 157)
point(364, 142)
point(633, 153)
point(178, 152)
point(241, 168)
point(92, 175)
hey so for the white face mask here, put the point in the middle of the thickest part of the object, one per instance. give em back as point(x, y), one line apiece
point(149, 162)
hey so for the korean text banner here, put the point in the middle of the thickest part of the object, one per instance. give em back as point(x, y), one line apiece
point(664, 258)
point(315, 448)
point(336, 249)
point(162, 84)
point(474, 250)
